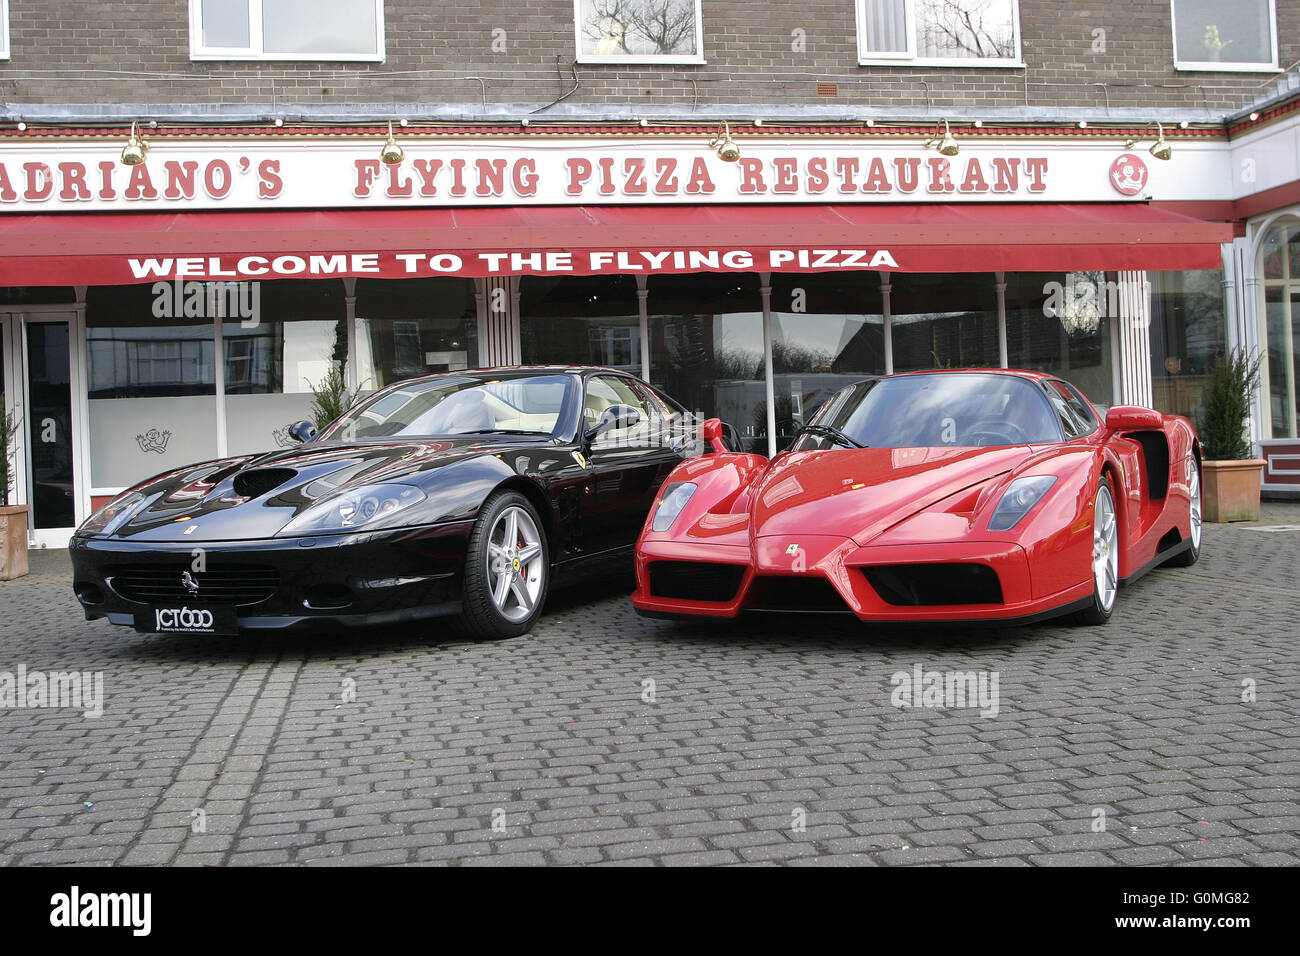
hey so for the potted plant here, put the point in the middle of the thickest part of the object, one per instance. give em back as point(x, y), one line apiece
point(1231, 474)
point(13, 518)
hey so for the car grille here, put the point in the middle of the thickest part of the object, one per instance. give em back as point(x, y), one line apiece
point(810, 592)
point(916, 585)
point(149, 584)
point(695, 580)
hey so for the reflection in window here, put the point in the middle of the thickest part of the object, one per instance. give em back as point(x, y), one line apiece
point(591, 320)
point(827, 332)
point(706, 349)
point(944, 321)
point(272, 365)
point(1062, 323)
point(638, 30)
point(1188, 331)
point(1280, 374)
point(410, 327)
point(1214, 35)
point(939, 30)
point(151, 384)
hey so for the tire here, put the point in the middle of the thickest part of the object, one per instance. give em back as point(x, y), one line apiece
point(1185, 559)
point(1105, 557)
point(506, 581)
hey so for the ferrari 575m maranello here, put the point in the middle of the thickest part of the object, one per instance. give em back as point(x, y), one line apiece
point(462, 492)
point(931, 496)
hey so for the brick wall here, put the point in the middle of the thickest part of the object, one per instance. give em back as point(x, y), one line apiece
point(748, 45)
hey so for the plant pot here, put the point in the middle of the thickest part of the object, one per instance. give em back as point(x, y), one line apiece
point(13, 541)
point(1230, 489)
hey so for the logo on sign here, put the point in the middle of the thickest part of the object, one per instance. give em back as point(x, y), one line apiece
point(1128, 174)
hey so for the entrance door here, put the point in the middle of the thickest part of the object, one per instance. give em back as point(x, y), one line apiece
point(38, 393)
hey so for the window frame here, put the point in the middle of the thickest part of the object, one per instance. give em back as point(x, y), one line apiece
point(255, 50)
point(1219, 66)
point(696, 58)
point(4, 30)
point(909, 57)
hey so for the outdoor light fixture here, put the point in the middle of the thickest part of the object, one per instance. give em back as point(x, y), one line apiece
point(392, 153)
point(1160, 149)
point(946, 144)
point(727, 149)
point(134, 150)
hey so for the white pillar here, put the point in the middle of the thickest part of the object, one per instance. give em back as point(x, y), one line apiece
point(350, 325)
point(1135, 338)
point(1001, 286)
point(765, 293)
point(643, 310)
point(886, 287)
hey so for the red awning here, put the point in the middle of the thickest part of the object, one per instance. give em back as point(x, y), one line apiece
point(119, 248)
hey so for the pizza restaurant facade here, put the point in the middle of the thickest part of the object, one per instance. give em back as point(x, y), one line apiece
point(185, 308)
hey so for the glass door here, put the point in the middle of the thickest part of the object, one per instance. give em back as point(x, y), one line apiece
point(39, 395)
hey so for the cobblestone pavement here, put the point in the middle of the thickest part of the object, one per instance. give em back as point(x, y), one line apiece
point(555, 748)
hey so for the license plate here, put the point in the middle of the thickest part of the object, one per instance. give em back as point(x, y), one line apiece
point(187, 619)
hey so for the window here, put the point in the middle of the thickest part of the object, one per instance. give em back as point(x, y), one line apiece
point(4, 29)
point(1225, 35)
point(605, 391)
point(590, 319)
point(1280, 372)
point(287, 30)
point(638, 31)
point(939, 32)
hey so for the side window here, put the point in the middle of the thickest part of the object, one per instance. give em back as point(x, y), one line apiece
point(1076, 419)
point(606, 390)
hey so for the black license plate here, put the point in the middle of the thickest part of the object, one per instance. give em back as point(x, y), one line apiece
point(187, 619)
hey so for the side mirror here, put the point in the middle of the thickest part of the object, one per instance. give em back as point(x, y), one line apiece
point(303, 431)
point(1133, 418)
point(714, 432)
point(616, 416)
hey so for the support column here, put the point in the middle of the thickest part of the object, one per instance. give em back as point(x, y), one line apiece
point(498, 339)
point(886, 287)
point(350, 324)
point(1135, 338)
point(643, 310)
point(765, 294)
point(1001, 286)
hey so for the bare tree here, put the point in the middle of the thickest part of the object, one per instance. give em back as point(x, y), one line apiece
point(979, 28)
point(640, 26)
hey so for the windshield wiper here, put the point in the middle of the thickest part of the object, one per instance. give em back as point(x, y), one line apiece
point(834, 434)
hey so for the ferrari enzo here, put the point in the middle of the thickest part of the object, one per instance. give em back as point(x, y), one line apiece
point(463, 492)
point(930, 496)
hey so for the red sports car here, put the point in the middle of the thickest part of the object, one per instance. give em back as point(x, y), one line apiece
point(974, 495)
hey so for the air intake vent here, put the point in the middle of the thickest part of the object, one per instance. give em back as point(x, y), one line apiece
point(935, 584)
point(797, 592)
point(258, 481)
point(695, 580)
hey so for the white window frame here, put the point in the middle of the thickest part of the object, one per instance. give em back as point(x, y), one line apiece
point(254, 50)
point(909, 57)
point(4, 29)
point(645, 58)
point(1220, 66)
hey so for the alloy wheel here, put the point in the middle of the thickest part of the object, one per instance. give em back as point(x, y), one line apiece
point(516, 566)
point(1105, 553)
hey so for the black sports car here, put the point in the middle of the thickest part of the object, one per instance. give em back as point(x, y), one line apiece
point(463, 492)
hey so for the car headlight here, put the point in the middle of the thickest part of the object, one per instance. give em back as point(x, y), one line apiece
point(1023, 494)
point(671, 503)
point(114, 514)
point(364, 507)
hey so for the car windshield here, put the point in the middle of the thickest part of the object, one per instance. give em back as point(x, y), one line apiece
point(457, 405)
point(954, 409)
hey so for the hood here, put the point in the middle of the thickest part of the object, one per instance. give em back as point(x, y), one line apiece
point(860, 493)
point(256, 496)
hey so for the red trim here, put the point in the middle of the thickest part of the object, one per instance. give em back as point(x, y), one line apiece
point(101, 249)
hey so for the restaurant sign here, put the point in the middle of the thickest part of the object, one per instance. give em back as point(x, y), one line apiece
point(316, 174)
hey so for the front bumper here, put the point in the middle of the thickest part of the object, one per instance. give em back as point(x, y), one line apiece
point(830, 574)
point(354, 579)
